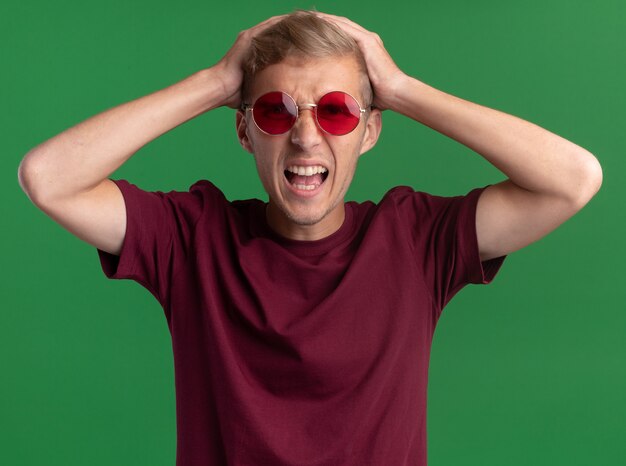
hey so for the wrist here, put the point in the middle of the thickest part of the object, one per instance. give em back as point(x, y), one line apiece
point(229, 86)
point(398, 88)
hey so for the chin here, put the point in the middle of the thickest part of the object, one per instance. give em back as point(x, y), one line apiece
point(306, 214)
point(305, 219)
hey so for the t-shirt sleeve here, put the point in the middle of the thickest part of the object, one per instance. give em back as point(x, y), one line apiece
point(159, 226)
point(443, 232)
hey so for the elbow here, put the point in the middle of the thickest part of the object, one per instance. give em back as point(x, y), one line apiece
point(590, 181)
point(22, 175)
point(27, 174)
point(594, 176)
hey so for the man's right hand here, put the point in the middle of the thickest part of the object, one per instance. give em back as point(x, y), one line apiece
point(229, 68)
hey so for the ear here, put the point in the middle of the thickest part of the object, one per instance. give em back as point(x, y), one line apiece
point(372, 130)
point(242, 131)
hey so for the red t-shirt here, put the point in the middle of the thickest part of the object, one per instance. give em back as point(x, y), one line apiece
point(294, 353)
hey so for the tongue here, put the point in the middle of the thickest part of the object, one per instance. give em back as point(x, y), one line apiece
point(307, 180)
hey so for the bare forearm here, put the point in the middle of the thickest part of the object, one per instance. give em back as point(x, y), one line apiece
point(81, 157)
point(532, 157)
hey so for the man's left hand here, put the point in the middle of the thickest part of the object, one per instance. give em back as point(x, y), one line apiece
point(384, 74)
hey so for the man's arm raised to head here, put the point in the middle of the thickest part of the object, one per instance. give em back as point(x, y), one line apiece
point(67, 175)
point(549, 177)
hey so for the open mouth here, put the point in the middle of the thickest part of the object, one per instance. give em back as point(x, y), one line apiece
point(306, 178)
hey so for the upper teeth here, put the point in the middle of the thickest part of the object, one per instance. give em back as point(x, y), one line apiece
point(306, 171)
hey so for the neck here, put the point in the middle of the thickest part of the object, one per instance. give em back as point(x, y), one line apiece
point(286, 227)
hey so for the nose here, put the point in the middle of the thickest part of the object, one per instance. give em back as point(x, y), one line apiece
point(305, 131)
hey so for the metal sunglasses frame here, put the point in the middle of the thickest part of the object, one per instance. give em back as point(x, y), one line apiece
point(246, 107)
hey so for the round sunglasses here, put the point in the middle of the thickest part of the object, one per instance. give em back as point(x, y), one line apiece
point(276, 112)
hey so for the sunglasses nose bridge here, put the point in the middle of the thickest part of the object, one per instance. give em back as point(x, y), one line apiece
point(305, 130)
point(312, 107)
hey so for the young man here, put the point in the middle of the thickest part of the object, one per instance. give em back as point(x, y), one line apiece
point(301, 327)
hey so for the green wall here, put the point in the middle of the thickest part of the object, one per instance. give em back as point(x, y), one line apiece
point(529, 370)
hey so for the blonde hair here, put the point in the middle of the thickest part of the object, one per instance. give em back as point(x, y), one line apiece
point(302, 34)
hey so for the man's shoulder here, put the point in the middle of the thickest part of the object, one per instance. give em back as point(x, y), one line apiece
point(207, 188)
point(211, 193)
point(216, 203)
point(392, 207)
point(405, 202)
point(403, 194)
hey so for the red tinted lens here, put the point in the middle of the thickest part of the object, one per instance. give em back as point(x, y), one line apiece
point(338, 113)
point(274, 112)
